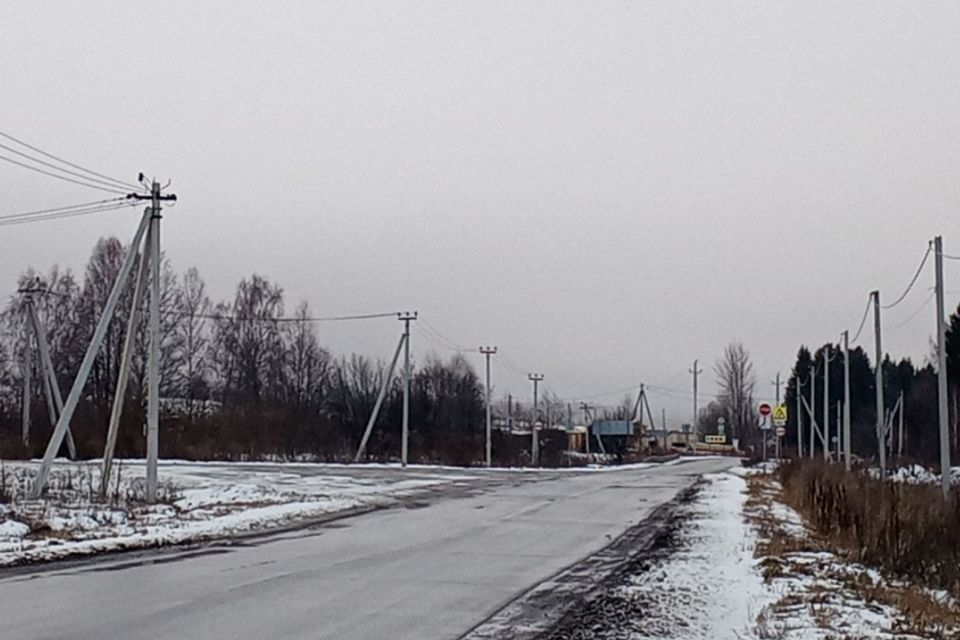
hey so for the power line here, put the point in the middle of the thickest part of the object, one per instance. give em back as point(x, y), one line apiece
point(66, 162)
point(915, 313)
point(863, 321)
point(59, 177)
point(362, 316)
point(106, 183)
point(23, 214)
point(912, 282)
point(65, 214)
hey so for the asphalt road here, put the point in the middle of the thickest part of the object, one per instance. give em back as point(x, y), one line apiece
point(433, 570)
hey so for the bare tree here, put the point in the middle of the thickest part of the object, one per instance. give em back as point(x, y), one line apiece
point(736, 380)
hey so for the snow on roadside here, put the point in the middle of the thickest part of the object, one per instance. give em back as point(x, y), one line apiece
point(710, 586)
point(198, 502)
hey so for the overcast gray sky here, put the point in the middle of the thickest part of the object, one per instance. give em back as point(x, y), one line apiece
point(604, 190)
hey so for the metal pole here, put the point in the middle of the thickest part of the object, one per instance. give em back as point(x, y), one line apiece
point(488, 351)
point(405, 435)
point(881, 445)
point(825, 433)
point(380, 396)
point(93, 348)
point(942, 374)
point(846, 400)
point(126, 362)
point(153, 364)
point(534, 440)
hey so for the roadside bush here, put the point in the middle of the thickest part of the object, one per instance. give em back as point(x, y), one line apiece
point(908, 530)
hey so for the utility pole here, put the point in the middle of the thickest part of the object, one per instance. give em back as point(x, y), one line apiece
point(826, 403)
point(153, 362)
point(488, 351)
point(811, 452)
point(70, 404)
point(696, 372)
point(534, 440)
point(27, 391)
point(797, 397)
point(839, 428)
point(586, 419)
point(846, 400)
point(663, 423)
point(881, 440)
point(900, 443)
point(777, 383)
point(942, 373)
point(406, 317)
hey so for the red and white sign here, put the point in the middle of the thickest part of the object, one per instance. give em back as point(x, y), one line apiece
point(781, 431)
point(765, 409)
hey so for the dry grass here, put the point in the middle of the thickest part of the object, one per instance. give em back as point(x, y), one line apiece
point(834, 579)
point(906, 530)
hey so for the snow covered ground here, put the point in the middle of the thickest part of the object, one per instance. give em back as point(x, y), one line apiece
point(198, 501)
point(736, 564)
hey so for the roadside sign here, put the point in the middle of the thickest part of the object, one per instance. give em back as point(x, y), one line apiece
point(781, 431)
point(765, 409)
point(715, 439)
point(721, 425)
point(765, 424)
point(780, 415)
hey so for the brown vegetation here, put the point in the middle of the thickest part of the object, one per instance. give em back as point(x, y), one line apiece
point(906, 530)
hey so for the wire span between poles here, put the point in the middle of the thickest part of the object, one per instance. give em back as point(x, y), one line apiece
point(912, 282)
point(64, 178)
point(83, 205)
point(863, 321)
point(65, 214)
point(125, 185)
point(361, 316)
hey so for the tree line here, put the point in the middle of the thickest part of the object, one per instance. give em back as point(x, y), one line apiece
point(239, 378)
point(917, 384)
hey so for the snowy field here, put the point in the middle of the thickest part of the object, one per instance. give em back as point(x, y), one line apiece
point(197, 501)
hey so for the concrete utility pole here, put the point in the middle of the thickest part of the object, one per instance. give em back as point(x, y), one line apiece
point(826, 403)
point(488, 351)
point(384, 383)
point(663, 423)
point(942, 373)
point(70, 405)
point(881, 440)
point(153, 384)
point(777, 383)
point(846, 400)
point(48, 376)
point(406, 317)
point(534, 440)
point(839, 428)
point(696, 372)
point(797, 397)
point(126, 362)
point(812, 408)
point(27, 391)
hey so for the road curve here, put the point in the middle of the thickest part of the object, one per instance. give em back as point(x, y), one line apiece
point(420, 573)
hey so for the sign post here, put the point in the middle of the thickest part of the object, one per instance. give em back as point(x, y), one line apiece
point(765, 410)
point(780, 422)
